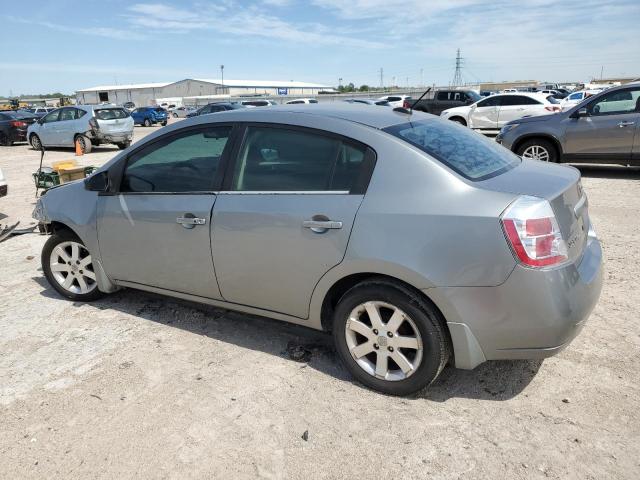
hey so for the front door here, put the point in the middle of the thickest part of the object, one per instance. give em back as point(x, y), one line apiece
point(484, 114)
point(608, 130)
point(286, 215)
point(47, 130)
point(155, 230)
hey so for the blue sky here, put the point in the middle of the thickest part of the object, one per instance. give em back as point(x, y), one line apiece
point(67, 44)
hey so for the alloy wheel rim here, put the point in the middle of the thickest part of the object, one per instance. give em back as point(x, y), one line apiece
point(72, 267)
point(536, 152)
point(384, 341)
point(35, 142)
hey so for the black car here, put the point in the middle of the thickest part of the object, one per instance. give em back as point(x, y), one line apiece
point(13, 126)
point(215, 107)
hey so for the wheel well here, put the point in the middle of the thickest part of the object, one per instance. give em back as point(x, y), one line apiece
point(553, 141)
point(59, 226)
point(458, 118)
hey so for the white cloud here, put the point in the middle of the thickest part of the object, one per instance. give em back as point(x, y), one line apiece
point(107, 32)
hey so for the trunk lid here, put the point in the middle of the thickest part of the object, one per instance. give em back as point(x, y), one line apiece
point(114, 120)
point(558, 184)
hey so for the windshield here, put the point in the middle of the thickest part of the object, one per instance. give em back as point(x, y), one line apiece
point(469, 153)
point(111, 113)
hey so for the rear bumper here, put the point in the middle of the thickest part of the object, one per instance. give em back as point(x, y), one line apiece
point(112, 137)
point(534, 314)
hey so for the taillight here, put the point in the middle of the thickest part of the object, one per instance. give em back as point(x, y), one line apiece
point(93, 123)
point(532, 230)
point(552, 109)
point(18, 124)
point(406, 104)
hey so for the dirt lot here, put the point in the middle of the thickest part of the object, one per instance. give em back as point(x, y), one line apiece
point(140, 386)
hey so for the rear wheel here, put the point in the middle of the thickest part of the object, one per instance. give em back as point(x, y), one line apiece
point(147, 122)
point(85, 143)
point(175, 115)
point(164, 124)
point(123, 145)
point(5, 140)
point(35, 142)
point(538, 149)
point(389, 338)
point(68, 266)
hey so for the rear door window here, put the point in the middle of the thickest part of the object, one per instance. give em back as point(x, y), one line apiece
point(473, 156)
point(284, 160)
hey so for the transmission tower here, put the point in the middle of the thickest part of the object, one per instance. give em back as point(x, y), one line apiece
point(457, 76)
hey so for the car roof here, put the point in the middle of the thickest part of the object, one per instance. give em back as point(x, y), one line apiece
point(353, 112)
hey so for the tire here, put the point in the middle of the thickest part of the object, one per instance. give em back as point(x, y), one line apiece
point(174, 115)
point(459, 120)
point(164, 124)
point(5, 140)
point(538, 149)
point(82, 287)
point(85, 143)
point(147, 122)
point(35, 142)
point(420, 320)
point(123, 145)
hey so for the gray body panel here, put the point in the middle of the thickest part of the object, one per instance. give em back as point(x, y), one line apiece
point(419, 222)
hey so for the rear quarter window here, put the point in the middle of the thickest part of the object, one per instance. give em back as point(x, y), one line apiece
point(468, 153)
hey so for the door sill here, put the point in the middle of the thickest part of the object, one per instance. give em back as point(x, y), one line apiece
point(217, 303)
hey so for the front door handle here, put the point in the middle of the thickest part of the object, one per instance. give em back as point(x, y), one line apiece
point(626, 124)
point(321, 226)
point(190, 221)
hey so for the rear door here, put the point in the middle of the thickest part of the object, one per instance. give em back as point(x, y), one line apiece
point(484, 114)
point(285, 215)
point(154, 230)
point(513, 107)
point(607, 132)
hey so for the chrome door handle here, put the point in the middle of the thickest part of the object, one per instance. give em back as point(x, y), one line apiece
point(320, 226)
point(190, 222)
point(626, 124)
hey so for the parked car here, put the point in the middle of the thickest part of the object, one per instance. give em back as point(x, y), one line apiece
point(257, 103)
point(575, 98)
point(301, 101)
point(602, 129)
point(348, 219)
point(14, 125)
point(491, 113)
point(368, 101)
point(89, 125)
point(181, 112)
point(444, 99)
point(148, 116)
point(4, 188)
point(129, 105)
point(395, 100)
point(214, 108)
point(38, 112)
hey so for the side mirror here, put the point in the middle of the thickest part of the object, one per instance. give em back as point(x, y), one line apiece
point(98, 182)
point(581, 112)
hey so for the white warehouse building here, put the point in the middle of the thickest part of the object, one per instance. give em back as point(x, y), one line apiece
point(144, 94)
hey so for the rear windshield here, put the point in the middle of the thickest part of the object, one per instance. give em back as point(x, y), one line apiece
point(469, 153)
point(111, 113)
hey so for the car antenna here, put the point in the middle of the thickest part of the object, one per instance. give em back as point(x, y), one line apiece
point(410, 111)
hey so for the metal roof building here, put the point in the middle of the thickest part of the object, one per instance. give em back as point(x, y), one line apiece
point(146, 93)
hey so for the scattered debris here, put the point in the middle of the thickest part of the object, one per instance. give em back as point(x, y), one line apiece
point(95, 396)
point(565, 400)
point(126, 364)
point(305, 436)
point(30, 257)
point(198, 377)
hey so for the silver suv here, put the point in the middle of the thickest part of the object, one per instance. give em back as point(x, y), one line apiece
point(604, 128)
point(413, 239)
point(89, 125)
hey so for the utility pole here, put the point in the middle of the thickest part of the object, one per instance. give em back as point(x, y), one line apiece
point(407, 82)
point(457, 76)
point(601, 71)
point(340, 82)
point(393, 81)
point(421, 77)
point(222, 76)
point(381, 78)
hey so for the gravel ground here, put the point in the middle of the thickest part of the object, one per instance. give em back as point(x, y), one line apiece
point(141, 386)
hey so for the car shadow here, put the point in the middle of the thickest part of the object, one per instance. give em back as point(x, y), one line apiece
point(496, 380)
point(609, 171)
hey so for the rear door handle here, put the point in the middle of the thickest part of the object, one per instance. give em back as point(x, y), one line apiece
point(190, 221)
point(320, 226)
point(626, 124)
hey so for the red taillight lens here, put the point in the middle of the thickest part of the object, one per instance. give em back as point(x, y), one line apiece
point(532, 230)
point(18, 124)
point(406, 104)
point(553, 109)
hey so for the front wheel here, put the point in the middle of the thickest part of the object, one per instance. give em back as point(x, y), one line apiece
point(35, 142)
point(68, 266)
point(175, 115)
point(390, 338)
point(538, 149)
point(164, 124)
point(459, 120)
point(123, 145)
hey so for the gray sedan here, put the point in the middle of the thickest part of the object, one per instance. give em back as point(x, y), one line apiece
point(414, 240)
point(604, 128)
